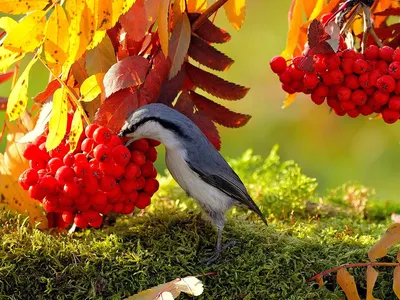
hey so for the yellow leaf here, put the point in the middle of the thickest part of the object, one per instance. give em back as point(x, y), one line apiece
point(103, 15)
point(56, 43)
point(17, 7)
point(127, 4)
point(387, 241)
point(8, 24)
point(100, 58)
point(329, 7)
point(396, 281)
point(319, 5)
point(236, 12)
point(28, 34)
point(8, 57)
point(13, 197)
point(92, 87)
point(289, 100)
point(348, 285)
point(76, 130)
point(163, 30)
point(358, 26)
point(372, 274)
point(19, 95)
point(196, 5)
point(116, 10)
point(177, 10)
point(58, 119)
point(81, 28)
point(97, 38)
point(294, 30)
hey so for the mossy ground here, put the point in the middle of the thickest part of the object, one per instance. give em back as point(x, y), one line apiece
point(169, 241)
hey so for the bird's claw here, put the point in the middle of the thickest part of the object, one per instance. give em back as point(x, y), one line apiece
point(209, 261)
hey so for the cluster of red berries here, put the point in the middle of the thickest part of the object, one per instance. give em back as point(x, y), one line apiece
point(351, 83)
point(100, 177)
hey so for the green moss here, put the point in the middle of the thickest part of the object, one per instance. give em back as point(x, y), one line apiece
point(169, 241)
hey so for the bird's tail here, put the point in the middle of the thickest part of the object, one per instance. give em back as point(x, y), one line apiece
point(253, 206)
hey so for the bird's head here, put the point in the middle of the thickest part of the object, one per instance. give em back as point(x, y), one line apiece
point(156, 121)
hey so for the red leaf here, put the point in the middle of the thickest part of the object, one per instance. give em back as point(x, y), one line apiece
point(393, 11)
point(215, 85)
point(134, 21)
point(51, 87)
point(129, 72)
point(179, 44)
point(209, 32)
point(208, 128)
point(171, 88)
point(316, 33)
point(207, 55)
point(158, 74)
point(6, 76)
point(184, 104)
point(219, 113)
point(3, 103)
point(116, 109)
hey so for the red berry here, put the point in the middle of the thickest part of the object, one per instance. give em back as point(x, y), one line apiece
point(138, 157)
point(50, 203)
point(118, 207)
point(69, 159)
point(347, 105)
point(349, 53)
point(320, 63)
point(82, 169)
point(394, 103)
point(66, 200)
point(68, 217)
point(153, 143)
point(96, 223)
point(39, 140)
point(337, 76)
point(319, 94)
point(132, 196)
point(390, 116)
point(82, 199)
point(359, 97)
point(382, 67)
point(54, 164)
point(285, 77)
point(65, 174)
point(380, 97)
point(325, 17)
point(80, 221)
point(90, 129)
point(37, 192)
point(29, 177)
point(107, 183)
point(118, 171)
point(127, 186)
point(121, 155)
point(396, 55)
point(372, 52)
point(31, 151)
point(373, 77)
point(288, 88)
point(347, 66)
point(397, 89)
point(351, 81)
point(114, 194)
point(354, 113)
point(386, 53)
point(332, 61)
point(151, 186)
point(49, 184)
point(115, 141)
point(278, 64)
point(151, 154)
point(143, 200)
point(72, 189)
point(366, 110)
point(141, 144)
point(147, 169)
point(60, 151)
point(87, 145)
point(332, 101)
point(37, 164)
point(339, 111)
point(360, 66)
point(89, 185)
point(102, 135)
point(128, 208)
point(364, 81)
point(82, 206)
point(386, 83)
point(98, 200)
point(344, 93)
point(80, 158)
point(22, 183)
point(394, 69)
point(102, 153)
point(140, 182)
point(310, 80)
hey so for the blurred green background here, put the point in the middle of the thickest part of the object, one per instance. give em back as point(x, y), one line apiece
point(333, 149)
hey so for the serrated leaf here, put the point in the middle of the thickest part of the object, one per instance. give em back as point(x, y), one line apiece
point(219, 113)
point(28, 34)
point(58, 119)
point(289, 100)
point(152, 8)
point(348, 285)
point(134, 21)
point(387, 241)
point(51, 87)
point(163, 29)
point(157, 76)
point(316, 33)
point(129, 72)
point(396, 281)
point(215, 85)
point(8, 24)
point(56, 44)
point(76, 130)
point(294, 29)
point(40, 125)
point(103, 15)
point(179, 44)
point(116, 10)
point(392, 11)
point(8, 57)
point(92, 87)
point(6, 76)
point(178, 8)
point(116, 109)
point(18, 98)
point(101, 58)
point(17, 7)
point(196, 5)
point(170, 88)
point(207, 55)
point(372, 275)
point(236, 12)
point(127, 4)
point(209, 32)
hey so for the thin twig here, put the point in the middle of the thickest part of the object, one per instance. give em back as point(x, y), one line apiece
point(345, 266)
point(74, 98)
point(205, 15)
point(368, 29)
point(350, 21)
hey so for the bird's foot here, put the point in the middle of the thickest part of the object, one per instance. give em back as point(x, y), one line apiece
point(213, 258)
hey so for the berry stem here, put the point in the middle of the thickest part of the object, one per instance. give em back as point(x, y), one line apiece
point(209, 11)
point(351, 19)
point(74, 98)
point(355, 265)
point(368, 28)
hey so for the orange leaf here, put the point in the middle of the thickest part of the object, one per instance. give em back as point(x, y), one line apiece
point(294, 29)
point(309, 6)
point(209, 32)
point(196, 5)
point(348, 285)
point(179, 44)
point(289, 100)
point(135, 21)
point(215, 85)
point(372, 274)
point(163, 30)
point(236, 12)
point(396, 281)
point(319, 279)
point(317, 9)
point(387, 241)
point(101, 58)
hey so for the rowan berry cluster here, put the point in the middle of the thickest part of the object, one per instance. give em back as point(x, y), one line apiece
point(351, 83)
point(100, 177)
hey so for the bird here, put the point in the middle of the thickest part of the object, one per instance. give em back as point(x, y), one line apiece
point(194, 163)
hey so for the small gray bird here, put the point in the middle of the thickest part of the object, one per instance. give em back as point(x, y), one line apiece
point(193, 162)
